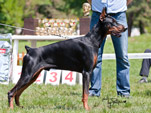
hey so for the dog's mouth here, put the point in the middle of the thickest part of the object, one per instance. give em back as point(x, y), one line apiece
point(116, 34)
point(117, 30)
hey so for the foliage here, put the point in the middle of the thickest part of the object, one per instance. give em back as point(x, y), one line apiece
point(72, 7)
point(45, 10)
point(11, 12)
point(31, 7)
point(141, 10)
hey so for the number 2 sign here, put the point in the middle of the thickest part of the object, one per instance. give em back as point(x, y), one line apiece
point(68, 77)
point(39, 80)
point(53, 77)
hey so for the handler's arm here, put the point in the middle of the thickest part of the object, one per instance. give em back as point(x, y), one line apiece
point(128, 2)
point(89, 1)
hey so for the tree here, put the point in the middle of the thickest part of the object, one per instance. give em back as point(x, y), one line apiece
point(72, 7)
point(31, 7)
point(139, 14)
point(11, 13)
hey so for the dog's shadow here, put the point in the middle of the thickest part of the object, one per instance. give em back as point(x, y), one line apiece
point(57, 107)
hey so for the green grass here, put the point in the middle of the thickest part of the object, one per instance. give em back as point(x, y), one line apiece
point(67, 99)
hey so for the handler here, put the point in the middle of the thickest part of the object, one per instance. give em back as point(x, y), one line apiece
point(117, 9)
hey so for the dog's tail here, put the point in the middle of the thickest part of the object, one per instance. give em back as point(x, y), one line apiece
point(27, 48)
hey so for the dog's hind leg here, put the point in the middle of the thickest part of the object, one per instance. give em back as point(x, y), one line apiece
point(86, 77)
point(23, 88)
point(20, 87)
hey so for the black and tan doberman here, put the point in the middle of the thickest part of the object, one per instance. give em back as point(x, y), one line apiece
point(78, 54)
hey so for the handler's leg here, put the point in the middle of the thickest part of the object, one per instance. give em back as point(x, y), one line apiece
point(122, 62)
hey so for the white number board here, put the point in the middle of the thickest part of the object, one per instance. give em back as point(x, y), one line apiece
point(68, 77)
point(53, 77)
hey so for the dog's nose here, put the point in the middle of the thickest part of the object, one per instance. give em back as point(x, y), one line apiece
point(122, 28)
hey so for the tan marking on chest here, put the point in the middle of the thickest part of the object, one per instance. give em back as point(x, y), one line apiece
point(95, 60)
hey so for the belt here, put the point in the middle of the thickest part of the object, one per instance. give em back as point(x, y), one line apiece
point(112, 14)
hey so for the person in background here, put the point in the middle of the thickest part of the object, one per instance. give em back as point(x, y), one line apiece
point(117, 9)
point(144, 72)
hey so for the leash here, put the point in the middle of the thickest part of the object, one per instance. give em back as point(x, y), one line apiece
point(29, 30)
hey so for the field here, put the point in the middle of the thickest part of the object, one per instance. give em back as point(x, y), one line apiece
point(67, 99)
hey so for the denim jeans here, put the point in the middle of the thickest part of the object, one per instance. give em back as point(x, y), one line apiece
point(122, 62)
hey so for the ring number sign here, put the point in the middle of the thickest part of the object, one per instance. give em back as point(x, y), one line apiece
point(68, 77)
point(53, 77)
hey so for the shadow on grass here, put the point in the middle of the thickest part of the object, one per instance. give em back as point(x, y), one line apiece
point(146, 93)
point(64, 107)
point(77, 94)
point(46, 107)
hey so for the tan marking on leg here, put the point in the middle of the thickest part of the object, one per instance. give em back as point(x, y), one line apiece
point(85, 101)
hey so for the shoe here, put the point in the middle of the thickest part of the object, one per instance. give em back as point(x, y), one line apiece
point(93, 95)
point(143, 80)
point(125, 96)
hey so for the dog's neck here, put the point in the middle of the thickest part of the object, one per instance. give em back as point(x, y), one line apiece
point(97, 34)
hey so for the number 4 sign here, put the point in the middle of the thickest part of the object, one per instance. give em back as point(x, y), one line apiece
point(68, 77)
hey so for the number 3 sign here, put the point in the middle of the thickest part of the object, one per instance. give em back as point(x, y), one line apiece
point(68, 77)
point(53, 77)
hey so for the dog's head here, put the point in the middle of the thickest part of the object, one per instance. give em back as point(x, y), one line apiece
point(111, 24)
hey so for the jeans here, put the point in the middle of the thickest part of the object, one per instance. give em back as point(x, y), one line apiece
point(122, 62)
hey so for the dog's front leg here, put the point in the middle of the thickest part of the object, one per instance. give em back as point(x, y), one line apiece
point(86, 77)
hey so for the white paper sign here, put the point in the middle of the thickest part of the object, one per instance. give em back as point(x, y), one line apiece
point(53, 77)
point(80, 78)
point(68, 77)
point(40, 78)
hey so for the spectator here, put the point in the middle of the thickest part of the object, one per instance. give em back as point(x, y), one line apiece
point(144, 72)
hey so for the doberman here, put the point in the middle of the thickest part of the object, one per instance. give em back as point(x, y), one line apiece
point(78, 54)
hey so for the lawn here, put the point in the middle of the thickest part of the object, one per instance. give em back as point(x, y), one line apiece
point(67, 99)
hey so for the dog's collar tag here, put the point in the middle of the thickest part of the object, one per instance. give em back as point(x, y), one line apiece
point(104, 1)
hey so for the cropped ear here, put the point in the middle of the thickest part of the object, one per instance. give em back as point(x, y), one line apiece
point(103, 14)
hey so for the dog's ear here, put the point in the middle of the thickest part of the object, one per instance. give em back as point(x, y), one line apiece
point(103, 14)
point(27, 48)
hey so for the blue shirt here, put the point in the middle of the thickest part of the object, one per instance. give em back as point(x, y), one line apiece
point(113, 6)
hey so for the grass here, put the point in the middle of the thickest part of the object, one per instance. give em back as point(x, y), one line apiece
point(67, 99)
